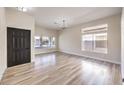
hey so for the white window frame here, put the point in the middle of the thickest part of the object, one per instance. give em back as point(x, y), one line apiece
point(50, 42)
point(94, 30)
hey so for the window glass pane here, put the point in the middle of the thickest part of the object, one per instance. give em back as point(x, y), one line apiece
point(37, 41)
point(45, 41)
point(87, 43)
point(100, 44)
point(53, 42)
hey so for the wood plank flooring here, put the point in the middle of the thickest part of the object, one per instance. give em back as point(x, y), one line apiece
point(63, 69)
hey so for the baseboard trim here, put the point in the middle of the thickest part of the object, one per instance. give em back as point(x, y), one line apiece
point(1, 74)
point(90, 57)
point(46, 52)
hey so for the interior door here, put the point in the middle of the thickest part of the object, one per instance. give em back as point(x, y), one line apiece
point(18, 46)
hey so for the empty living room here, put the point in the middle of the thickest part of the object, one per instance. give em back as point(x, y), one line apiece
point(61, 45)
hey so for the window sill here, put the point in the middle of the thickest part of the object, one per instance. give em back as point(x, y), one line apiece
point(45, 47)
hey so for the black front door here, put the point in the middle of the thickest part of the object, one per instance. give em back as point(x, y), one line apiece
point(18, 46)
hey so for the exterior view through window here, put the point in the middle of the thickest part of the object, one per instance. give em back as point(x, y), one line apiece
point(37, 41)
point(44, 42)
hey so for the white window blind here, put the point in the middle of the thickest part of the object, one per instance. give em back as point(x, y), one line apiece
point(94, 38)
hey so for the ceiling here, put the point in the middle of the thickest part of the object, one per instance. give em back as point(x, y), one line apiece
point(46, 16)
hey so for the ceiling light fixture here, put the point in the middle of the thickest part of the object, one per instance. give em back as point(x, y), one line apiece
point(61, 22)
point(22, 9)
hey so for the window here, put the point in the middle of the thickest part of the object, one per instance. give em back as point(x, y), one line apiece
point(44, 42)
point(94, 39)
point(37, 42)
point(100, 42)
point(52, 40)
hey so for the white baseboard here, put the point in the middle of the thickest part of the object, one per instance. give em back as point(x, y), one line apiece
point(46, 52)
point(91, 57)
point(1, 74)
point(79, 55)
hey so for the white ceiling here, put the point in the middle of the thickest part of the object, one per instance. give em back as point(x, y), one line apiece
point(46, 16)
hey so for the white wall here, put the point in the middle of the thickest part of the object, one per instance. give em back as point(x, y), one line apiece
point(70, 39)
point(21, 20)
point(3, 57)
point(122, 43)
point(39, 31)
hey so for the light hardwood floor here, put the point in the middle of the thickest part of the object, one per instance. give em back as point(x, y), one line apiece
point(60, 68)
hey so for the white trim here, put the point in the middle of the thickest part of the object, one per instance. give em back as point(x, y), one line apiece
point(122, 43)
point(91, 57)
point(50, 51)
point(103, 27)
point(1, 74)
